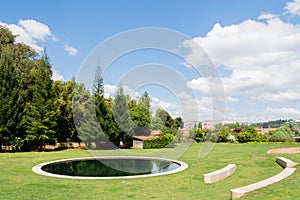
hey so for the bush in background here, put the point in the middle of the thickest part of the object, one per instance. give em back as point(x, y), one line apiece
point(160, 142)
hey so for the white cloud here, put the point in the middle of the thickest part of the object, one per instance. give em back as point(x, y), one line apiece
point(56, 76)
point(172, 108)
point(281, 113)
point(262, 56)
point(267, 16)
point(229, 99)
point(280, 96)
point(111, 90)
point(71, 50)
point(187, 107)
point(35, 29)
point(196, 56)
point(30, 32)
point(293, 7)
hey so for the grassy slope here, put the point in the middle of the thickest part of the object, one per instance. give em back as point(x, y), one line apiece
point(17, 181)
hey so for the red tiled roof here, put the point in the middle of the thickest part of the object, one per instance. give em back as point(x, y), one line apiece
point(144, 137)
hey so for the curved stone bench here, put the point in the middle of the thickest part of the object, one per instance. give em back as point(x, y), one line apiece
point(219, 174)
point(238, 192)
point(284, 162)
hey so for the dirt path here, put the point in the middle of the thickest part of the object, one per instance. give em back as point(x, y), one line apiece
point(294, 150)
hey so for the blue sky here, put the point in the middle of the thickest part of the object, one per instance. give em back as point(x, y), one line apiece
point(255, 45)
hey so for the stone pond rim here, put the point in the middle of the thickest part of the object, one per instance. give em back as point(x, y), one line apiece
point(39, 168)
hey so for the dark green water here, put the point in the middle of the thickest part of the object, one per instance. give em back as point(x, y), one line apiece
point(110, 167)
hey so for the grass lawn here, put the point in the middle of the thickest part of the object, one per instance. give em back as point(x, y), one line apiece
point(17, 181)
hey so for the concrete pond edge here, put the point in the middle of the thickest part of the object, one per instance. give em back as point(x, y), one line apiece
point(38, 168)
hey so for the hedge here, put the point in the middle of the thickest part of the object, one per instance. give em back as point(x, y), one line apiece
point(160, 142)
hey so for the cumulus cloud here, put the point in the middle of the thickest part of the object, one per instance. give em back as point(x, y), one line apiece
point(30, 32)
point(293, 7)
point(35, 29)
point(71, 50)
point(262, 56)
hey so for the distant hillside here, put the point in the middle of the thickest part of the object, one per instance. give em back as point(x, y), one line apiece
point(271, 124)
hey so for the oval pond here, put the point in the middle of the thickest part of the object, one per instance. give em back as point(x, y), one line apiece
point(109, 167)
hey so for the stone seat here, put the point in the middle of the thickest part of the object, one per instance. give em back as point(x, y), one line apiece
point(219, 174)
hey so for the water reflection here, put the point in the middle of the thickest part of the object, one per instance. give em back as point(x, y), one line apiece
point(110, 167)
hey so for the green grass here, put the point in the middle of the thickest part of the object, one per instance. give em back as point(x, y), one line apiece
point(17, 181)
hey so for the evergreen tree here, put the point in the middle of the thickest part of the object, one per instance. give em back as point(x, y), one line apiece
point(98, 94)
point(65, 130)
point(39, 118)
point(122, 117)
point(84, 116)
point(103, 113)
point(8, 97)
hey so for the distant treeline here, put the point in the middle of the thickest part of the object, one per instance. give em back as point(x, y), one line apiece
point(244, 133)
point(272, 124)
point(35, 110)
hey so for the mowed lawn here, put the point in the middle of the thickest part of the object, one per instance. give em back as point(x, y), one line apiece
point(17, 181)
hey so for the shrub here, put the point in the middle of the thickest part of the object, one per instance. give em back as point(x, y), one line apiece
point(159, 142)
point(245, 137)
point(282, 134)
point(281, 137)
point(198, 135)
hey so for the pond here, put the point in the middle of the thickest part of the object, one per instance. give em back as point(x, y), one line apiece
point(109, 167)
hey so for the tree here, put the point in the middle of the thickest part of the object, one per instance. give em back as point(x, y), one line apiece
point(103, 113)
point(140, 114)
point(98, 86)
point(282, 134)
point(16, 60)
point(122, 117)
point(249, 134)
point(178, 122)
point(200, 125)
point(156, 123)
point(8, 97)
point(170, 125)
point(198, 135)
point(6, 37)
point(65, 130)
point(145, 100)
point(40, 114)
point(98, 94)
point(84, 116)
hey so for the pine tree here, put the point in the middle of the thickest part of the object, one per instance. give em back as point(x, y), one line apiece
point(122, 117)
point(39, 118)
point(8, 97)
point(98, 94)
